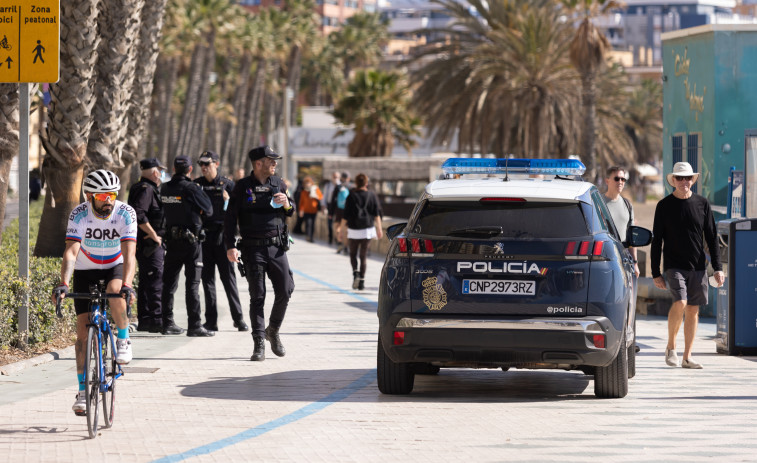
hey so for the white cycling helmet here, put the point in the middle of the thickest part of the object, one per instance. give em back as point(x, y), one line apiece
point(101, 181)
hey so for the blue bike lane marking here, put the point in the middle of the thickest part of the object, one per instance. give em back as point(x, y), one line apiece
point(304, 412)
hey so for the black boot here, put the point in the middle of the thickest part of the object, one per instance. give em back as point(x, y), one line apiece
point(361, 284)
point(258, 355)
point(272, 335)
point(355, 279)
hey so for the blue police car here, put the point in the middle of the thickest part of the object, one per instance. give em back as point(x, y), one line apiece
point(509, 263)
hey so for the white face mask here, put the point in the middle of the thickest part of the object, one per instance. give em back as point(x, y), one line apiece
point(164, 177)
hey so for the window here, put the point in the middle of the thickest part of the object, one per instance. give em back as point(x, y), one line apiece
point(693, 155)
point(677, 148)
point(523, 220)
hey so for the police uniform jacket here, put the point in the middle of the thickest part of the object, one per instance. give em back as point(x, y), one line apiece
point(144, 198)
point(183, 203)
point(250, 209)
point(214, 189)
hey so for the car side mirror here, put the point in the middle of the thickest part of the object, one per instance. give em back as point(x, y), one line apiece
point(637, 237)
point(395, 230)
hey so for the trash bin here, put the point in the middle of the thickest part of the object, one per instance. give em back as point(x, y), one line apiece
point(735, 307)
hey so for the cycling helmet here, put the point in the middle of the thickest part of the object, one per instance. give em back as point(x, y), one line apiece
point(101, 181)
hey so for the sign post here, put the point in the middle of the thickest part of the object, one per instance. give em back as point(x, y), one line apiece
point(29, 52)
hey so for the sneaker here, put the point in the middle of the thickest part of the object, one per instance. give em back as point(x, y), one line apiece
point(688, 363)
point(123, 351)
point(80, 405)
point(671, 358)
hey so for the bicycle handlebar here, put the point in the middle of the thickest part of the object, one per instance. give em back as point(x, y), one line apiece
point(90, 296)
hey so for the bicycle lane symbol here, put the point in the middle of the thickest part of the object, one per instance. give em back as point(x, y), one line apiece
point(5, 45)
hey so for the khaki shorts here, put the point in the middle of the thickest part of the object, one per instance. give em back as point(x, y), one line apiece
point(687, 285)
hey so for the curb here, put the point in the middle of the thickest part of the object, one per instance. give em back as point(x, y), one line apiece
point(13, 368)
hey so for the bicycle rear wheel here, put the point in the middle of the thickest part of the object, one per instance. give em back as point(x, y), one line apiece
point(92, 380)
point(109, 388)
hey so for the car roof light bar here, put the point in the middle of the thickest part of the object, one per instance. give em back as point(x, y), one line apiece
point(564, 167)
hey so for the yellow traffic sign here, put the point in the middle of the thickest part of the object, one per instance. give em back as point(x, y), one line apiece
point(29, 40)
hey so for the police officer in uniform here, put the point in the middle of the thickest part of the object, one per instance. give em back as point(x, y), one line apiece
point(259, 206)
point(144, 198)
point(184, 204)
point(218, 189)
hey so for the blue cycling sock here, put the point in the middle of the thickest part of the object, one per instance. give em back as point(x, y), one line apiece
point(81, 381)
point(123, 333)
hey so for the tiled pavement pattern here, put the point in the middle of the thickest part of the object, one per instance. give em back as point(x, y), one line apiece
point(201, 399)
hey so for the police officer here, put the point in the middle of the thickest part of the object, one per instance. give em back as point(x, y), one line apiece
point(144, 198)
point(184, 204)
point(259, 206)
point(217, 188)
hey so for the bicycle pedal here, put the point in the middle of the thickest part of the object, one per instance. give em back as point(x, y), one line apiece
point(81, 413)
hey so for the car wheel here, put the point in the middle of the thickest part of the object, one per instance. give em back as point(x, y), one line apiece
point(612, 381)
point(632, 354)
point(392, 377)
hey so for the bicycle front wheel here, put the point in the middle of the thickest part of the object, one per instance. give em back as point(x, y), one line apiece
point(109, 379)
point(92, 380)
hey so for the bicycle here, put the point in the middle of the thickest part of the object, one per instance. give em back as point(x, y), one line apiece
point(100, 368)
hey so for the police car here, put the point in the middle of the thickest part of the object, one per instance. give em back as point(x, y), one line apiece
point(509, 263)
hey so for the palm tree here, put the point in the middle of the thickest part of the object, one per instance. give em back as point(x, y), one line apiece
point(9, 137)
point(119, 23)
point(360, 41)
point(501, 80)
point(69, 122)
point(153, 13)
point(614, 146)
point(302, 30)
point(588, 51)
point(378, 106)
point(322, 73)
point(644, 116)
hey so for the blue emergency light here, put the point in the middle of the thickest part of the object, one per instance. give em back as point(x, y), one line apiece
point(513, 166)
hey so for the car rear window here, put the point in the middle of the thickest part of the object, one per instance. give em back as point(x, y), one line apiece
point(516, 219)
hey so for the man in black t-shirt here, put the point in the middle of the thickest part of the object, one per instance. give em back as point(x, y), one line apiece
point(683, 222)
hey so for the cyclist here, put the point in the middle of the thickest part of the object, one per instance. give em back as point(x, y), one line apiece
point(105, 231)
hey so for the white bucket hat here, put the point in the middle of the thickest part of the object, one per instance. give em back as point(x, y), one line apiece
point(682, 169)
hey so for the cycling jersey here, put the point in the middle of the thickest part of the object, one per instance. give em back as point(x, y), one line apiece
point(101, 238)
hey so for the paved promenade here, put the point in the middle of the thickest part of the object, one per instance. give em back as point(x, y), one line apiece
point(201, 399)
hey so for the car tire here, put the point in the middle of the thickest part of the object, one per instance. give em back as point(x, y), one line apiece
point(393, 378)
point(611, 381)
point(632, 354)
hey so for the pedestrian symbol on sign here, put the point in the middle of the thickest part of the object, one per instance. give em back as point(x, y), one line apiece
point(39, 49)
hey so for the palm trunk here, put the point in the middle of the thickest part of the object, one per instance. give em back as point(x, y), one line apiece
point(250, 136)
point(166, 77)
point(9, 138)
point(119, 23)
point(232, 139)
point(198, 134)
point(153, 13)
point(588, 137)
point(190, 101)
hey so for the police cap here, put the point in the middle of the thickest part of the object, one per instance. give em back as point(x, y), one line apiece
point(209, 156)
point(182, 161)
point(149, 163)
point(262, 152)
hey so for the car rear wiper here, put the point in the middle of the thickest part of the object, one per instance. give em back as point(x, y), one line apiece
point(487, 232)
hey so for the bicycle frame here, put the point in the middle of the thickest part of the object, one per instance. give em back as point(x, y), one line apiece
point(100, 320)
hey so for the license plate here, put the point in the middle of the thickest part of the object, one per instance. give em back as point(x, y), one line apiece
point(514, 287)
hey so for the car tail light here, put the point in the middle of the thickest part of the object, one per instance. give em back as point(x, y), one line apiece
point(570, 249)
point(583, 249)
point(598, 246)
point(597, 339)
point(416, 244)
point(428, 245)
point(399, 338)
point(403, 244)
point(502, 200)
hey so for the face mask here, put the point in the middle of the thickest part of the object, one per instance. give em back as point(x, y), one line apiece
point(164, 177)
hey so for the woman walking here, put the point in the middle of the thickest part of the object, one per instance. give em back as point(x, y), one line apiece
point(362, 220)
point(309, 203)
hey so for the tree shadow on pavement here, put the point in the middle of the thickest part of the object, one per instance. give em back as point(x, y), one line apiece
point(450, 385)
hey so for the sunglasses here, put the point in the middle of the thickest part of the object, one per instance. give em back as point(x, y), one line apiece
point(105, 196)
point(204, 163)
point(621, 179)
point(683, 178)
